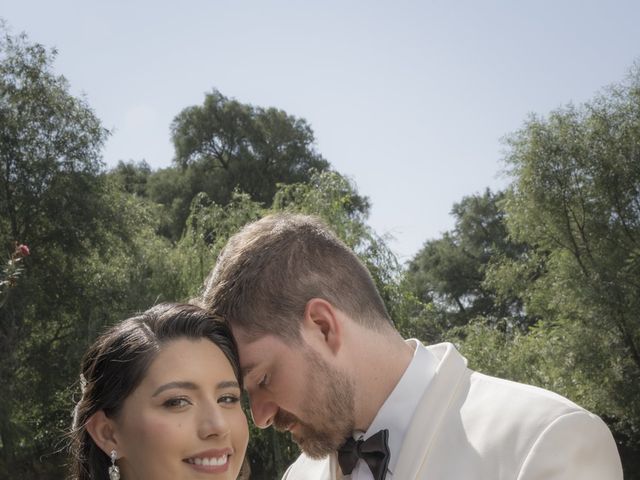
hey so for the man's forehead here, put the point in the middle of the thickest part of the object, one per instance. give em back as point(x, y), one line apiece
point(250, 341)
point(257, 352)
point(252, 352)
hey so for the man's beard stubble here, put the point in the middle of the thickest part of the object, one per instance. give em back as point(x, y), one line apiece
point(329, 410)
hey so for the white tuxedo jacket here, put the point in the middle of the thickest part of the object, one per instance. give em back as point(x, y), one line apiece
point(470, 426)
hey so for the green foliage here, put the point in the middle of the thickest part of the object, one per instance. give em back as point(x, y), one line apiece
point(556, 255)
point(12, 270)
point(132, 177)
point(174, 189)
point(575, 199)
point(207, 230)
point(51, 198)
point(450, 273)
point(49, 142)
point(245, 147)
point(92, 258)
point(223, 146)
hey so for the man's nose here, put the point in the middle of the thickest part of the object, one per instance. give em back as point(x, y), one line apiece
point(263, 411)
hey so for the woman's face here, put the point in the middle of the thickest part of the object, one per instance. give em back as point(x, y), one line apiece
point(184, 421)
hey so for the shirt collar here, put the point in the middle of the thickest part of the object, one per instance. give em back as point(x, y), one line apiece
point(398, 409)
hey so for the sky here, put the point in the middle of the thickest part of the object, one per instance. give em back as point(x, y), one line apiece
point(411, 100)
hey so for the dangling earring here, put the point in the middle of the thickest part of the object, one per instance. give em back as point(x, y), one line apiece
point(114, 471)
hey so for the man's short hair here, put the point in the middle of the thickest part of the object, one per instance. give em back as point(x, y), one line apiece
point(269, 270)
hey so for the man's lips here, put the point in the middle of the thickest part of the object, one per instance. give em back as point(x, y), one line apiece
point(291, 426)
point(287, 427)
point(284, 421)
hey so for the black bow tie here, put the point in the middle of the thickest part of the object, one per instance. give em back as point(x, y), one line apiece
point(374, 450)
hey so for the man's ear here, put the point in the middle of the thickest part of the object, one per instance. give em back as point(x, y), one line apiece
point(102, 430)
point(322, 325)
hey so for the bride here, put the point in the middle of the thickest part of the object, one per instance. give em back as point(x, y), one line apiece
point(161, 400)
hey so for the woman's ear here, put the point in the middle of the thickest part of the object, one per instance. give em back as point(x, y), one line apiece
point(322, 324)
point(102, 431)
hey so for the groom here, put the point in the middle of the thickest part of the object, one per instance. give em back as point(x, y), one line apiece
point(322, 360)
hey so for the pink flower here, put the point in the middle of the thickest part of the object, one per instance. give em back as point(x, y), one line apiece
point(24, 250)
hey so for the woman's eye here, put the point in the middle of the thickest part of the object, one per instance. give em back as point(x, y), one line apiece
point(229, 399)
point(178, 402)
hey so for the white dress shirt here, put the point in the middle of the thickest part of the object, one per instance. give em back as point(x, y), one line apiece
point(397, 410)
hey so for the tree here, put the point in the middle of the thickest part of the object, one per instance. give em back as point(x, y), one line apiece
point(49, 158)
point(450, 273)
point(223, 145)
point(245, 147)
point(86, 266)
point(575, 197)
point(132, 177)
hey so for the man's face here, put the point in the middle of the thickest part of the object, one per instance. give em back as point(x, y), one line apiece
point(294, 389)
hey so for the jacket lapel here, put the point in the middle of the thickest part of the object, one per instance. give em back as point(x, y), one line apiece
point(431, 410)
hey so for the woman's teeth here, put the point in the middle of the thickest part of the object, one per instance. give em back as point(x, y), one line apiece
point(209, 462)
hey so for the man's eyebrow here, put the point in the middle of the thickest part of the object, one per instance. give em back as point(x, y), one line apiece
point(246, 370)
point(193, 386)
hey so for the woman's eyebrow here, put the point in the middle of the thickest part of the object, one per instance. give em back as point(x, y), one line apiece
point(228, 384)
point(192, 386)
point(170, 385)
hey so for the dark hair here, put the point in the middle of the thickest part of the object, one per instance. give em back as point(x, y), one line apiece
point(269, 270)
point(117, 362)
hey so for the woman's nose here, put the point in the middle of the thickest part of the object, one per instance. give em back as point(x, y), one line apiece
point(213, 423)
